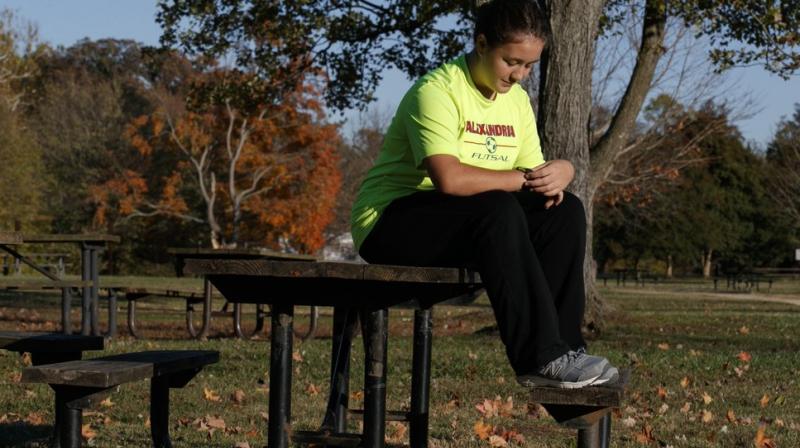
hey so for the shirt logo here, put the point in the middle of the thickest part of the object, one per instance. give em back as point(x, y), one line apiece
point(491, 145)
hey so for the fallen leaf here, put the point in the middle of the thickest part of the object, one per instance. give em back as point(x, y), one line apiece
point(26, 359)
point(34, 419)
point(629, 422)
point(744, 330)
point(706, 416)
point(686, 407)
point(215, 422)
point(662, 392)
point(210, 395)
point(685, 382)
point(663, 346)
point(664, 408)
point(396, 432)
point(497, 441)
point(87, 432)
point(297, 356)
point(707, 398)
point(242, 445)
point(764, 401)
point(761, 440)
point(646, 435)
point(744, 357)
point(472, 356)
point(312, 389)
point(107, 402)
point(482, 430)
point(488, 408)
point(731, 416)
point(238, 396)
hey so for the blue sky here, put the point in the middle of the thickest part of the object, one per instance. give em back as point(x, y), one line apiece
point(63, 22)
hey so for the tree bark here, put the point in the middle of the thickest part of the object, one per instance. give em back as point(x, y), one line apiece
point(669, 266)
point(565, 104)
point(707, 263)
point(565, 95)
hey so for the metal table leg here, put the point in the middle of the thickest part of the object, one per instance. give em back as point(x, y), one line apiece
point(280, 376)
point(344, 326)
point(420, 379)
point(375, 327)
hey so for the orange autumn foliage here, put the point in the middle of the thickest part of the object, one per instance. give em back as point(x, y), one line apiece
point(269, 177)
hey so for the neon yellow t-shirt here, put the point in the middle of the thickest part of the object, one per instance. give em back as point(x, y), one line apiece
point(444, 113)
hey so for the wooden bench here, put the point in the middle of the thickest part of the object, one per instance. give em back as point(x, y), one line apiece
point(587, 409)
point(47, 348)
point(68, 288)
point(81, 384)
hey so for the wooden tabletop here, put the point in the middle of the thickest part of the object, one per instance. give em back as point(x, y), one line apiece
point(10, 238)
point(70, 238)
point(188, 252)
point(332, 283)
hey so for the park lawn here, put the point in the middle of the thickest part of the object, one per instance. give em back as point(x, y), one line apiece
point(706, 372)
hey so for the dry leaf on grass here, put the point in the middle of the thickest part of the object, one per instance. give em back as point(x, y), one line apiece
point(34, 419)
point(396, 432)
point(238, 396)
point(497, 441)
point(706, 416)
point(312, 389)
point(662, 392)
point(764, 401)
point(242, 445)
point(686, 407)
point(744, 330)
point(107, 402)
point(744, 357)
point(707, 398)
point(646, 435)
point(663, 346)
point(685, 382)
point(730, 416)
point(482, 430)
point(210, 395)
point(87, 432)
point(761, 440)
point(297, 356)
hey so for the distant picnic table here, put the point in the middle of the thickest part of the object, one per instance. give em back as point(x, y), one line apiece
point(182, 255)
point(91, 245)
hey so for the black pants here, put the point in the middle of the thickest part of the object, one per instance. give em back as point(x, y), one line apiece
point(530, 260)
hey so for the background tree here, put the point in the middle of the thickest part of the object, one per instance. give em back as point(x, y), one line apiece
point(783, 155)
point(351, 42)
point(270, 178)
point(21, 170)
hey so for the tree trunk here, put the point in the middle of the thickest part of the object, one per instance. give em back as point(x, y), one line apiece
point(565, 94)
point(707, 263)
point(669, 266)
point(565, 104)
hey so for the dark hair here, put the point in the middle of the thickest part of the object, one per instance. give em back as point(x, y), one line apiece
point(501, 20)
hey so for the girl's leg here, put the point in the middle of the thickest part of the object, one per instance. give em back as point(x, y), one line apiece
point(487, 231)
point(559, 237)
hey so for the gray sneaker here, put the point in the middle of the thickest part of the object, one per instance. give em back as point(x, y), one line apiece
point(610, 376)
point(571, 370)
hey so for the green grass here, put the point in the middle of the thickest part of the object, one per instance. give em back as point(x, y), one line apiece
point(664, 333)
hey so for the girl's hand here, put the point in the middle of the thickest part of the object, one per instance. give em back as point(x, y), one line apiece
point(555, 200)
point(550, 178)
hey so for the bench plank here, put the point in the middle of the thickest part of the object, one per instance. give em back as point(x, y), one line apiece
point(332, 270)
point(48, 342)
point(110, 371)
point(77, 238)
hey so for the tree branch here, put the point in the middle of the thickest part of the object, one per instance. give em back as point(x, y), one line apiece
point(607, 148)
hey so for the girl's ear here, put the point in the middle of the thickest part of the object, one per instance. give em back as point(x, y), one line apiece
point(481, 45)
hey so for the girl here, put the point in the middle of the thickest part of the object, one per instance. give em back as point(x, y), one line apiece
point(461, 181)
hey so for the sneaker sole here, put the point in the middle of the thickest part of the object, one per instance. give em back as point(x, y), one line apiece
point(547, 382)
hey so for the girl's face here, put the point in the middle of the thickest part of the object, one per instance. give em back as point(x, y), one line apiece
point(499, 68)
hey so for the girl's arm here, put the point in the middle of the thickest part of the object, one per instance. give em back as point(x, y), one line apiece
point(450, 176)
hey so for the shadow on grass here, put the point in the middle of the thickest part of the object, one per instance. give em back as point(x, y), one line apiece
point(21, 434)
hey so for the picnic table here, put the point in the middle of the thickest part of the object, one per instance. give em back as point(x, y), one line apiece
point(182, 255)
point(352, 289)
point(90, 245)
